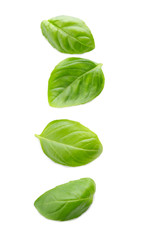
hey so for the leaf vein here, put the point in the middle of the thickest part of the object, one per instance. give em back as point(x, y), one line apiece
point(82, 75)
point(67, 145)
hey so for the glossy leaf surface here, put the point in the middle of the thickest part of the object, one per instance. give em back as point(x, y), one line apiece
point(75, 81)
point(66, 201)
point(69, 143)
point(68, 34)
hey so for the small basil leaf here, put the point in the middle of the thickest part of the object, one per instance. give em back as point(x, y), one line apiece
point(69, 143)
point(75, 81)
point(66, 201)
point(68, 34)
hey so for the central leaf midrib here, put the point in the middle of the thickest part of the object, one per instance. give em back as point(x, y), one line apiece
point(74, 82)
point(50, 140)
point(69, 201)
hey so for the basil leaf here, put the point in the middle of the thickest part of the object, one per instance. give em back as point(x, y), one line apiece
point(69, 143)
point(68, 34)
point(75, 81)
point(66, 201)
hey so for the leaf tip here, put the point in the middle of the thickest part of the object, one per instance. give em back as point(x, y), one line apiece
point(100, 65)
point(36, 135)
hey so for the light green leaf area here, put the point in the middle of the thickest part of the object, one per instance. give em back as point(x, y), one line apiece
point(67, 201)
point(69, 143)
point(68, 34)
point(75, 81)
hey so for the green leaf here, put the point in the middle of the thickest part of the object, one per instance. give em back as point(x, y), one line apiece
point(68, 34)
point(67, 201)
point(69, 143)
point(75, 81)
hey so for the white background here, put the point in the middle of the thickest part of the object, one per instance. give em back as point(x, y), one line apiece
point(118, 116)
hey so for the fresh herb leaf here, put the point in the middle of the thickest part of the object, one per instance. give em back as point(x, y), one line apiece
point(69, 143)
point(67, 201)
point(68, 34)
point(75, 81)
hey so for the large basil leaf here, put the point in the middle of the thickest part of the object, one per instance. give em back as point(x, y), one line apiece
point(66, 201)
point(75, 81)
point(69, 143)
point(68, 34)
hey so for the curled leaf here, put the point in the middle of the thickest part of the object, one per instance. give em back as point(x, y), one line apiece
point(66, 201)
